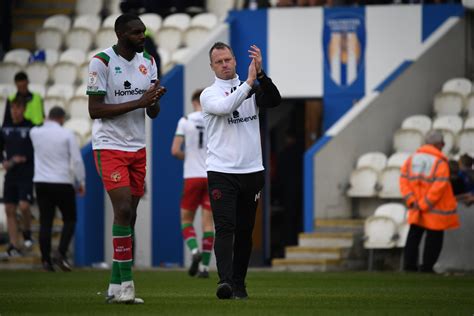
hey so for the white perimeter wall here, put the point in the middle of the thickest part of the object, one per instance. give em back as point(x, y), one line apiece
point(370, 124)
point(295, 46)
point(393, 36)
point(295, 56)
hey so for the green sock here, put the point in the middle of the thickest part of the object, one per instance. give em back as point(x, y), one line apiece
point(189, 236)
point(115, 276)
point(126, 271)
point(207, 244)
point(133, 246)
point(122, 236)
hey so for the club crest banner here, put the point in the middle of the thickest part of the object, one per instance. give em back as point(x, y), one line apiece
point(344, 43)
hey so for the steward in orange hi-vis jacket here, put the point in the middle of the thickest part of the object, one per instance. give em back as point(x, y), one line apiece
point(426, 188)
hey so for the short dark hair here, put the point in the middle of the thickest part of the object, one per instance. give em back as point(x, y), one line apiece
point(21, 76)
point(57, 112)
point(196, 95)
point(122, 21)
point(219, 45)
point(19, 100)
point(466, 160)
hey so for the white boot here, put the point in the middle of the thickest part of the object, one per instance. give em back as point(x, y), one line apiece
point(113, 293)
point(127, 294)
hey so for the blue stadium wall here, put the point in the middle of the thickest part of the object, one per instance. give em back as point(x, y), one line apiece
point(295, 44)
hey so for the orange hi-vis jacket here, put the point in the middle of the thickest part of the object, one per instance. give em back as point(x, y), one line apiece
point(425, 186)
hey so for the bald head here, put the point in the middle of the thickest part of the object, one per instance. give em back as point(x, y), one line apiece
point(435, 138)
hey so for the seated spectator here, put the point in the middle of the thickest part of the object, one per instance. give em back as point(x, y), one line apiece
point(285, 3)
point(260, 3)
point(135, 6)
point(34, 111)
point(304, 3)
point(456, 181)
point(466, 179)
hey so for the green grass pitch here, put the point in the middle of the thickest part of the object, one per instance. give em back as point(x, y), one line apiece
point(271, 293)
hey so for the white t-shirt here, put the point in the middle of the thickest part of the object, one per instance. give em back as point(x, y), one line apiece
point(120, 81)
point(191, 127)
point(233, 128)
point(58, 158)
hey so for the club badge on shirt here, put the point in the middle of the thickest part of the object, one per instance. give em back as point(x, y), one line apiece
point(143, 69)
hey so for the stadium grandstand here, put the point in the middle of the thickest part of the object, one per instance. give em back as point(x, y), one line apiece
point(362, 85)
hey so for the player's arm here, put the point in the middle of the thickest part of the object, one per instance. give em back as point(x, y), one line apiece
point(99, 109)
point(97, 89)
point(176, 147)
point(266, 93)
point(3, 154)
point(77, 164)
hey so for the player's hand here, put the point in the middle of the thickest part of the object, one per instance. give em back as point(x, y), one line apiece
point(252, 73)
point(18, 159)
point(81, 190)
point(160, 90)
point(149, 97)
point(7, 164)
point(256, 54)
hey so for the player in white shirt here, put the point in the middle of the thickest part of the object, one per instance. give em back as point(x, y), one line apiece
point(191, 133)
point(122, 87)
point(234, 160)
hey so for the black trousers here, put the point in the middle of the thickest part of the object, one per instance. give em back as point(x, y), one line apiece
point(50, 196)
point(433, 246)
point(234, 199)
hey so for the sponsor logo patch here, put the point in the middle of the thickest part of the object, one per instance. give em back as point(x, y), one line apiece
point(92, 78)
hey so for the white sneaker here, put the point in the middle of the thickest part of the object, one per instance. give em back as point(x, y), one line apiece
point(127, 295)
point(28, 244)
point(138, 301)
point(114, 292)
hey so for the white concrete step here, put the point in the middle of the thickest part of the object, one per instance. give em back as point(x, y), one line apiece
point(297, 252)
point(326, 239)
point(339, 222)
point(307, 265)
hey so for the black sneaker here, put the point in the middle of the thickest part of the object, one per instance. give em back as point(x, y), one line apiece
point(62, 263)
point(13, 252)
point(240, 292)
point(203, 274)
point(224, 291)
point(48, 266)
point(193, 269)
